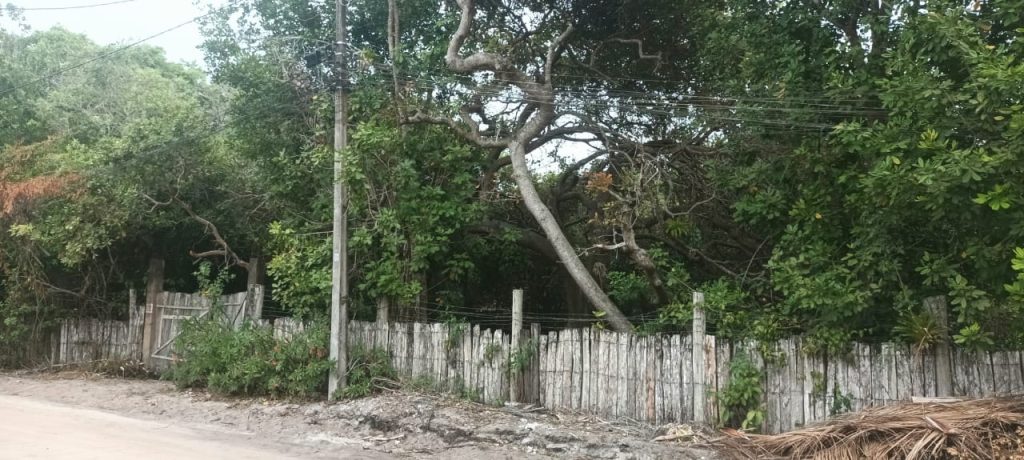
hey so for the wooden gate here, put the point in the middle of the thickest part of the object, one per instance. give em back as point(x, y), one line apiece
point(172, 309)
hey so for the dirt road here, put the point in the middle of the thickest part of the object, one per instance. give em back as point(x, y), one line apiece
point(32, 429)
point(84, 416)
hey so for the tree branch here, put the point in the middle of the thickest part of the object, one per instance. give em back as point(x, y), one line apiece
point(230, 257)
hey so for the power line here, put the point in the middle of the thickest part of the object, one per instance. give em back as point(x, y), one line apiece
point(72, 7)
point(99, 57)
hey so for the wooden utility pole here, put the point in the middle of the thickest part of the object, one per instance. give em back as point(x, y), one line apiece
point(516, 378)
point(339, 257)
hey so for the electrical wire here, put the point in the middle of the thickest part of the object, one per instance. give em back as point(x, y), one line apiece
point(71, 7)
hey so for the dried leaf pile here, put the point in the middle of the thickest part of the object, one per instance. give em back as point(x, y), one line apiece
point(966, 430)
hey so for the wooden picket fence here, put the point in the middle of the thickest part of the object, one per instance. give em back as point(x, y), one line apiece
point(652, 378)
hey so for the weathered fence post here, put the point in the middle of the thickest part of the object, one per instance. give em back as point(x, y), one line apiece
point(936, 306)
point(254, 273)
point(135, 321)
point(154, 286)
point(534, 381)
point(383, 305)
point(699, 389)
point(516, 376)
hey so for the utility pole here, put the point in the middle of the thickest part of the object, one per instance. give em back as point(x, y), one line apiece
point(339, 256)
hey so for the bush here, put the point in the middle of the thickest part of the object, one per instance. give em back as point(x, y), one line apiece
point(740, 399)
point(250, 361)
point(369, 371)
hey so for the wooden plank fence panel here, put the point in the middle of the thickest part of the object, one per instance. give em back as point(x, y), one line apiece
point(1006, 370)
point(986, 376)
point(620, 346)
point(880, 370)
point(1018, 386)
point(686, 376)
point(807, 395)
point(553, 374)
point(711, 378)
point(862, 377)
point(794, 364)
point(674, 385)
point(609, 360)
point(656, 379)
point(542, 358)
point(631, 381)
point(961, 373)
point(904, 379)
point(576, 396)
point(557, 368)
point(723, 360)
point(929, 383)
point(785, 416)
point(667, 382)
point(773, 408)
point(585, 371)
point(833, 384)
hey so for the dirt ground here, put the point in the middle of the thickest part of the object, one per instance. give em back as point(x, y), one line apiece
point(396, 425)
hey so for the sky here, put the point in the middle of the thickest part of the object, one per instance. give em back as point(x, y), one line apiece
point(124, 22)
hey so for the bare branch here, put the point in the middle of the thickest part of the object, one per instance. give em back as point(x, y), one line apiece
point(656, 57)
point(471, 135)
point(230, 257)
point(555, 51)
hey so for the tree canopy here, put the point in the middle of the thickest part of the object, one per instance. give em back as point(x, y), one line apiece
point(815, 167)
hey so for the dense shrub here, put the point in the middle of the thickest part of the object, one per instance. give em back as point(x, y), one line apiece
point(250, 361)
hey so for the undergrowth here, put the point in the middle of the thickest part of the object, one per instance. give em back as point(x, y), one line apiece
point(369, 372)
point(251, 361)
point(740, 399)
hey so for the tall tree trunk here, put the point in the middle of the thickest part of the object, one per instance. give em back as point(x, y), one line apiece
point(565, 250)
point(536, 116)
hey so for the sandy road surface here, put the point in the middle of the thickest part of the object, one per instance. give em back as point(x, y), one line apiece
point(82, 415)
point(31, 429)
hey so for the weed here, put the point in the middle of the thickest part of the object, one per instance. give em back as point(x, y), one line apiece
point(841, 403)
point(818, 382)
point(369, 371)
point(491, 351)
point(522, 357)
point(740, 400)
point(455, 332)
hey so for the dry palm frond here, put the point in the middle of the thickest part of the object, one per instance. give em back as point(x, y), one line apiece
point(972, 429)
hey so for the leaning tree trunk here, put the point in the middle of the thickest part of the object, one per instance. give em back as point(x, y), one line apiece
point(537, 116)
point(565, 250)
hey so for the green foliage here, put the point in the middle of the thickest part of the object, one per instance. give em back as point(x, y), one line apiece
point(838, 166)
point(369, 371)
point(522, 357)
point(972, 337)
point(491, 351)
point(250, 361)
point(740, 399)
point(920, 329)
point(875, 212)
point(302, 270)
point(841, 403)
point(455, 331)
point(629, 290)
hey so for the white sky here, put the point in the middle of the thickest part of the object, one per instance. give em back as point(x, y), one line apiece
point(125, 22)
